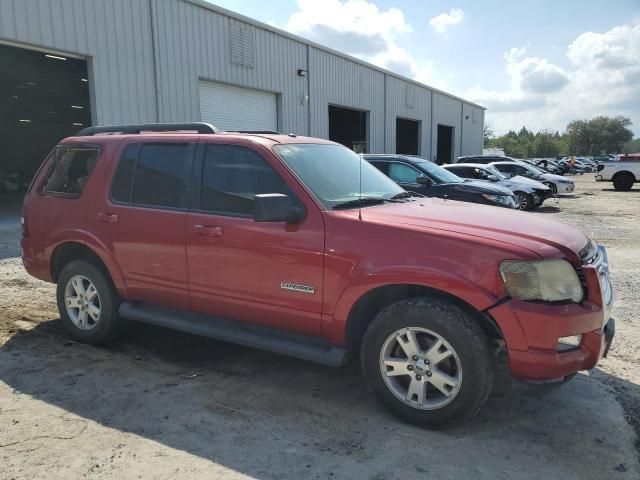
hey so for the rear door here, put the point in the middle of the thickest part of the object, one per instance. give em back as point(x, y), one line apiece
point(263, 273)
point(144, 220)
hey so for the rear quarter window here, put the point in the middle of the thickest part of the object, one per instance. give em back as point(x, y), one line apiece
point(70, 170)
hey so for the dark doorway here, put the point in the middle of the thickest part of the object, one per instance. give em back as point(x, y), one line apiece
point(445, 145)
point(407, 136)
point(43, 98)
point(348, 127)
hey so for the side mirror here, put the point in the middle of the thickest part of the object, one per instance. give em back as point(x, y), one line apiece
point(492, 178)
point(424, 180)
point(275, 207)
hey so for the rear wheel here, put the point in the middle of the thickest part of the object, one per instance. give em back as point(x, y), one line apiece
point(623, 181)
point(524, 201)
point(88, 303)
point(428, 361)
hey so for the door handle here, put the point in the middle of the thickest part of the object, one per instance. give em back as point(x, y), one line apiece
point(108, 217)
point(208, 230)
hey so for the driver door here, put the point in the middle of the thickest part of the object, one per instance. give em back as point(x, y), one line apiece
point(262, 273)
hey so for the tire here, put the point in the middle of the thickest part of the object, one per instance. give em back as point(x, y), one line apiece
point(623, 181)
point(466, 359)
point(104, 326)
point(524, 201)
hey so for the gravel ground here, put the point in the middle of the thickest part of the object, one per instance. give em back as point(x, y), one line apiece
point(159, 404)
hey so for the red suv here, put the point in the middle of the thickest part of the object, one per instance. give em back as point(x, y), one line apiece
point(296, 245)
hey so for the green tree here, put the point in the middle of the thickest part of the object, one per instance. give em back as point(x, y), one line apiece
point(488, 134)
point(598, 135)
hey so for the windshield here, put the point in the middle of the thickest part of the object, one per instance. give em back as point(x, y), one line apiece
point(494, 171)
point(441, 175)
point(332, 173)
point(531, 168)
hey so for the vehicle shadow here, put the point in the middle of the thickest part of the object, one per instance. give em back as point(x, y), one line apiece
point(269, 416)
point(624, 192)
point(548, 209)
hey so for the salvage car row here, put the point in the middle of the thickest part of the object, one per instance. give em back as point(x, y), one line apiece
point(505, 183)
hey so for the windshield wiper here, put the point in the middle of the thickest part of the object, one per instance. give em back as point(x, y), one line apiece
point(362, 202)
point(400, 195)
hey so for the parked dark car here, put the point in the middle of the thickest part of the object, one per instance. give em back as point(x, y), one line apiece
point(422, 176)
point(529, 197)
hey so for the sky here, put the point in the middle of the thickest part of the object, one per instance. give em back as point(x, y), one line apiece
point(538, 64)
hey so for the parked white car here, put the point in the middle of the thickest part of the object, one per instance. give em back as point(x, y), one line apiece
point(557, 183)
point(623, 172)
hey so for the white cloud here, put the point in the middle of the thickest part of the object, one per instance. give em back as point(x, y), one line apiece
point(362, 29)
point(602, 78)
point(442, 22)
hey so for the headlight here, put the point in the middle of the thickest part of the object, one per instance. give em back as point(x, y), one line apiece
point(547, 280)
point(503, 199)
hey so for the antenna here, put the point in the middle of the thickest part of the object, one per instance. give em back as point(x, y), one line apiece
point(360, 197)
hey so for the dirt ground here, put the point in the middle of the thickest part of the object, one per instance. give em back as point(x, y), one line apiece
point(158, 404)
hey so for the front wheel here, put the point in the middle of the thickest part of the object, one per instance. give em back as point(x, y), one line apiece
point(623, 181)
point(428, 361)
point(524, 201)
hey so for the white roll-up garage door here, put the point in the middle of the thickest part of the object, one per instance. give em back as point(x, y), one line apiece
point(234, 108)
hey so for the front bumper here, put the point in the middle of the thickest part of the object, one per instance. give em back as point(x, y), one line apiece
point(532, 329)
point(565, 188)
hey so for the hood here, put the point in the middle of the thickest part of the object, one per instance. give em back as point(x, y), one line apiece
point(544, 237)
point(556, 178)
point(529, 181)
point(480, 186)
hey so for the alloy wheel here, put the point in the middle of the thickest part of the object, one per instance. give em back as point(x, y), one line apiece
point(420, 368)
point(82, 302)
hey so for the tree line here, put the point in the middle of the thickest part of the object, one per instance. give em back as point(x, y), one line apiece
point(600, 135)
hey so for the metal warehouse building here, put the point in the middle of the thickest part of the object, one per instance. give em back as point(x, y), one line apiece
point(69, 63)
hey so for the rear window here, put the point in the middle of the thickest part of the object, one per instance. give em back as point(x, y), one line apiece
point(70, 170)
point(154, 175)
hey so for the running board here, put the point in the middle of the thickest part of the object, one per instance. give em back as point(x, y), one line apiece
point(264, 338)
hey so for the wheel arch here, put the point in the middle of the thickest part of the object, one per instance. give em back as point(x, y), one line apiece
point(373, 301)
point(68, 251)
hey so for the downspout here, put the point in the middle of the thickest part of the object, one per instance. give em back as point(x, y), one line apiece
point(155, 60)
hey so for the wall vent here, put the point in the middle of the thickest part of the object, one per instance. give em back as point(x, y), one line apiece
point(243, 45)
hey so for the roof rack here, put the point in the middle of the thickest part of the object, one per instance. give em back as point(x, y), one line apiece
point(256, 132)
point(199, 127)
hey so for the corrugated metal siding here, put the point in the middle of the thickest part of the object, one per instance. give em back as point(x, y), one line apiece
point(337, 81)
point(114, 35)
point(194, 43)
point(235, 108)
point(472, 129)
point(446, 111)
point(190, 42)
point(407, 100)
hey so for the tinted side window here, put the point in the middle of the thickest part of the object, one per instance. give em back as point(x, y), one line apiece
point(402, 173)
point(161, 175)
point(232, 175)
point(123, 178)
point(382, 166)
point(71, 169)
point(463, 172)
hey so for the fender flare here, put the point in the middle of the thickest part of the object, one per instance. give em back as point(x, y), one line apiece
point(453, 285)
point(98, 247)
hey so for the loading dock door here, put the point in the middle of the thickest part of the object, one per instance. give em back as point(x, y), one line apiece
point(407, 136)
point(348, 126)
point(234, 108)
point(445, 145)
point(43, 99)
